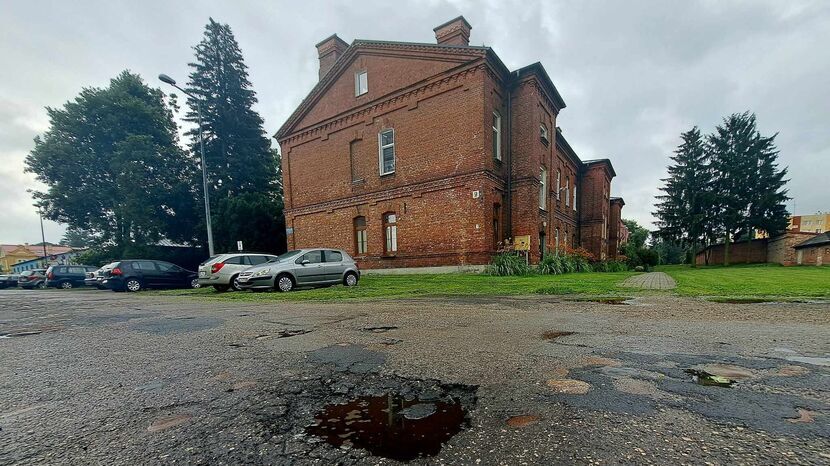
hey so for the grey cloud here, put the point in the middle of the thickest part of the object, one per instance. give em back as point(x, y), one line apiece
point(634, 74)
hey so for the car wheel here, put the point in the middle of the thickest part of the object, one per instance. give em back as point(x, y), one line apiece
point(195, 283)
point(66, 285)
point(41, 285)
point(235, 283)
point(132, 285)
point(220, 288)
point(285, 283)
point(350, 279)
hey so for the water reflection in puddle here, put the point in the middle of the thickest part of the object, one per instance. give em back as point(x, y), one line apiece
point(710, 380)
point(390, 426)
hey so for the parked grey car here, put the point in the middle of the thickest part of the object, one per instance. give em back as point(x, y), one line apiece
point(221, 271)
point(304, 267)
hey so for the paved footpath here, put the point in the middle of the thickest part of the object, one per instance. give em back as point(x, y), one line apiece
point(651, 281)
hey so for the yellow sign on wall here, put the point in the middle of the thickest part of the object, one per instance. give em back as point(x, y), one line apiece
point(522, 243)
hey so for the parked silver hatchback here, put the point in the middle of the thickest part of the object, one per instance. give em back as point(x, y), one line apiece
point(304, 267)
point(222, 271)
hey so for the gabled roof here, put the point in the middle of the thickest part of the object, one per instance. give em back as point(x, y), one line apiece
point(343, 62)
point(606, 162)
point(360, 44)
point(539, 71)
point(818, 240)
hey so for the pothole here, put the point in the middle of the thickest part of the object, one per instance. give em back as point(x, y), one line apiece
point(740, 300)
point(522, 420)
point(614, 300)
point(391, 425)
point(554, 334)
point(20, 334)
point(380, 329)
point(292, 333)
point(710, 380)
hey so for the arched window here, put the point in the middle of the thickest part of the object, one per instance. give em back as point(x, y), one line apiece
point(360, 239)
point(390, 232)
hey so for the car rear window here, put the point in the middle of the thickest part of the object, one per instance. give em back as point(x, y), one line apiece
point(256, 260)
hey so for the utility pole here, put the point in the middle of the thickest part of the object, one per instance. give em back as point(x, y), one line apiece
point(42, 237)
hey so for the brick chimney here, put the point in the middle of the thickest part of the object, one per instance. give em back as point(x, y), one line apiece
point(453, 32)
point(329, 50)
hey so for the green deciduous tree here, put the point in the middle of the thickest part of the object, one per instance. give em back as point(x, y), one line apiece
point(113, 168)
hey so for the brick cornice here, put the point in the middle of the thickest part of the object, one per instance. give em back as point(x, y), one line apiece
point(393, 193)
point(360, 114)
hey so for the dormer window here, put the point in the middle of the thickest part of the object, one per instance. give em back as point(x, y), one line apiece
point(543, 134)
point(361, 83)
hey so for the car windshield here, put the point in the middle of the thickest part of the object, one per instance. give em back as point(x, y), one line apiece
point(284, 256)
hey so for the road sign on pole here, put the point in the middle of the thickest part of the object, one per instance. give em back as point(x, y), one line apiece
point(239, 245)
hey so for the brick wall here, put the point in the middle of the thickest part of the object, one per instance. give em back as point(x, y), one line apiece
point(780, 249)
point(738, 252)
point(595, 205)
point(448, 190)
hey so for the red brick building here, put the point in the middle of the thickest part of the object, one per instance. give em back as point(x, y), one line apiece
point(413, 154)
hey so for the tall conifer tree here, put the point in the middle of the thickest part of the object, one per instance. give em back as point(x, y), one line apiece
point(239, 158)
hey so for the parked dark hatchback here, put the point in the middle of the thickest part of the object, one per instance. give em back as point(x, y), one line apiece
point(67, 276)
point(138, 274)
point(8, 281)
point(35, 278)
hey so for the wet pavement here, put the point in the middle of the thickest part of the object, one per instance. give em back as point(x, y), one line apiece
point(98, 377)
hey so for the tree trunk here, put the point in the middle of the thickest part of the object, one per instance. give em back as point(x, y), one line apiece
point(726, 250)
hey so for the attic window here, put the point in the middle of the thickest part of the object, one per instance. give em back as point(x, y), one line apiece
point(361, 83)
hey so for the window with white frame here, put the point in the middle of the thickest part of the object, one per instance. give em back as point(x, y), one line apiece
point(386, 151)
point(497, 135)
point(574, 197)
point(361, 83)
point(390, 232)
point(558, 185)
point(543, 133)
point(543, 188)
point(567, 191)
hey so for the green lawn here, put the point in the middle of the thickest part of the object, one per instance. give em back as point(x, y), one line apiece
point(391, 286)
point(759, 281)
point(765, 280)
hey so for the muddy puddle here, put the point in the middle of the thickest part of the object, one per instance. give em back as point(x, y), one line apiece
point(391, 426)
point(615, 300)
point(710, 380)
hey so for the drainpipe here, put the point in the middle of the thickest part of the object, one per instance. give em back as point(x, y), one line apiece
point(509, 208)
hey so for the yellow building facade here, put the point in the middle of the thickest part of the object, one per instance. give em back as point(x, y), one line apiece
point(11, 254)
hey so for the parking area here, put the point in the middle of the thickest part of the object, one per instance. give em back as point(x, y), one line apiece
point(92, 377)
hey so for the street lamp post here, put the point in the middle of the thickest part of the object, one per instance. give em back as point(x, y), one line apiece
point(167, 79)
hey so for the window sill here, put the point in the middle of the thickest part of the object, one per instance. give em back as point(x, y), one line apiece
point(389, 255)
point(387, 174)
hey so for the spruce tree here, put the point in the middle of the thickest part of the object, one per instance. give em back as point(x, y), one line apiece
point(686, 205)
point(734, 165)
point(749, 186)
point(237, 149)
point(238, 153)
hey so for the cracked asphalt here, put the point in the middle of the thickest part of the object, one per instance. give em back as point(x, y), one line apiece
point(93, 377)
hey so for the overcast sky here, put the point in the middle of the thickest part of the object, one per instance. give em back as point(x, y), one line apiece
point(634, 74)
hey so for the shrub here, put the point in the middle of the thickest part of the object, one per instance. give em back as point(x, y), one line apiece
point(506, 264)
point(610, 266)
point(551, 264)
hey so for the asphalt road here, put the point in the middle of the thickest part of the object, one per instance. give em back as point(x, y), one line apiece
point(89, 377)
